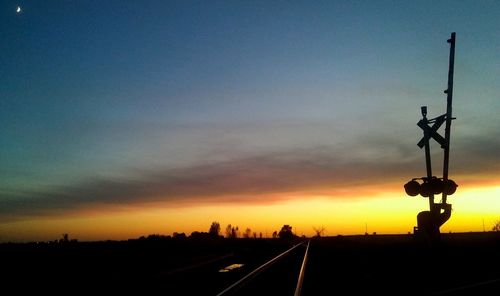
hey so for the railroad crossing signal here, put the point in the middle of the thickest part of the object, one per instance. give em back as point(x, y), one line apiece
point(431, 131)
point(430, 221)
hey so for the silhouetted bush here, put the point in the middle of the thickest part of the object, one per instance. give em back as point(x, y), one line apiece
point(181, 235)
point(200, 235)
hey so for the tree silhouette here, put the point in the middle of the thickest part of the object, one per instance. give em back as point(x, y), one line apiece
point(65, 238)
point(319, 231)
point(156, 237)
point(177, 235)
point(247, 233)
point(228, 231)
point(214, 230)
point(286, 232)
point(496, 226)
point(275, 234)
point(231, 232)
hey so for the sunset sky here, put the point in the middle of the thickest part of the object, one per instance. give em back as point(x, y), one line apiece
point(127, 118)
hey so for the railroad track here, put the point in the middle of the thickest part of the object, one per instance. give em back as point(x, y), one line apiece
point(255, 277)
point(479, 288)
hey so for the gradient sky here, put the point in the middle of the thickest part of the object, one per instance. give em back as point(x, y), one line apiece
point(126, 118)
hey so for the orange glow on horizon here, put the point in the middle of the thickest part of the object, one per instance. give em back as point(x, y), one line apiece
point(386, 213)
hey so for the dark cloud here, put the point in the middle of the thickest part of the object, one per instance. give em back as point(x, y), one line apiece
point(477, 155)
point(381, 160)
point(230, 181)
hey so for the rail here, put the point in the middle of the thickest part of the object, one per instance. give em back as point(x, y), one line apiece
point(298, 289)
point(460, 290)
point(258, 269)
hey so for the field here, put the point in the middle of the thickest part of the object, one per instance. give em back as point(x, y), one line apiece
point(463, 264)
point(395, 264)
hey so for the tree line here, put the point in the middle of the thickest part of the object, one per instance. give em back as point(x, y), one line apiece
point(230, 232)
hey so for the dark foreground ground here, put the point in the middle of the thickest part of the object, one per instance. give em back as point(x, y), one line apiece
point(463, 264)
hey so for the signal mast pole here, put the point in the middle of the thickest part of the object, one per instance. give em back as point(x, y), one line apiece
point(428, 163)
point(449, 100)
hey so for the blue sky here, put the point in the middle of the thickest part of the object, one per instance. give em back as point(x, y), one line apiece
point(96, 96)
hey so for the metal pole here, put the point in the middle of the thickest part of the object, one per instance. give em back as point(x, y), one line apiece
point(429, 172)
point(449, 100)
point(428, 163)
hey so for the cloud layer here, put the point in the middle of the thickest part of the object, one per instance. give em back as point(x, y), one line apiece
point(254, 179)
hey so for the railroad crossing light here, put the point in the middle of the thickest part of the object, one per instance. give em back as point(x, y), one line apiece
point(449, 187)
point(436, 186)
point(425, 189)
point(412, 188)
point(433, 186)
